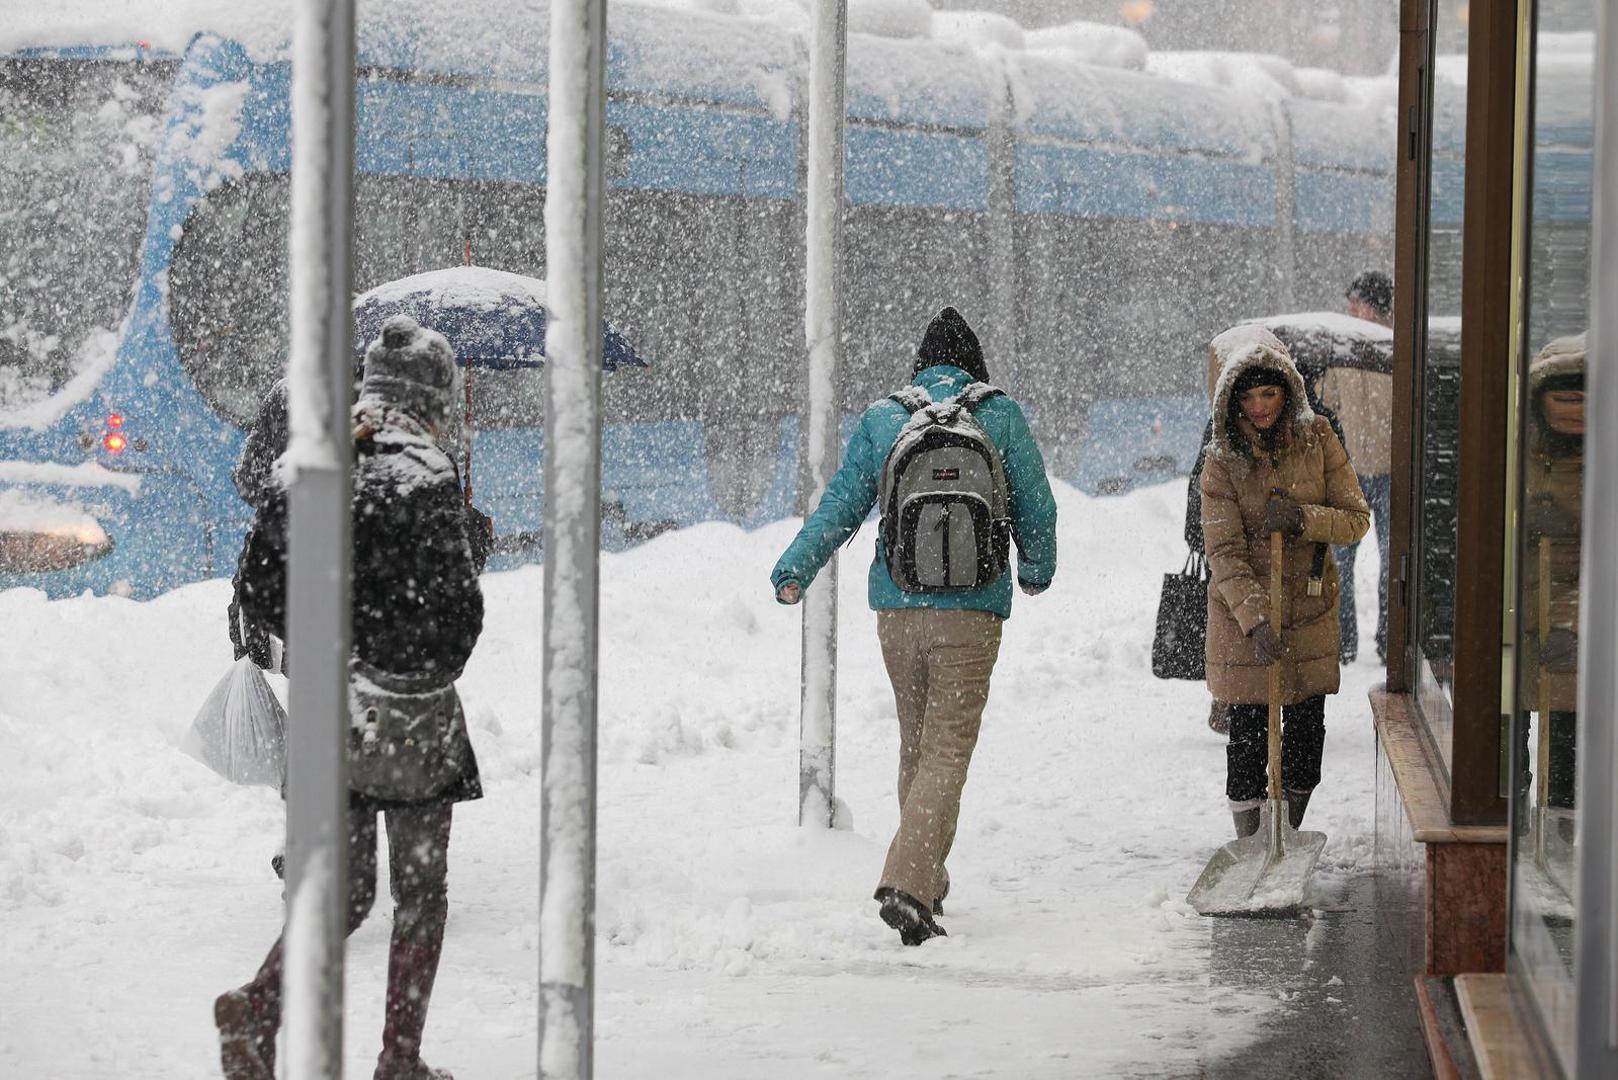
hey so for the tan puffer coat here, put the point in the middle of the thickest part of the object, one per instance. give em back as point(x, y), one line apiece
point(1553, 484)
point(1312, 468)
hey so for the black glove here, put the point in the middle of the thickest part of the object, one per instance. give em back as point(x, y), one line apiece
point(1030, 589)
point(1267, 645)
point(1559, 652)
point(479, 536)
point(1283, 515)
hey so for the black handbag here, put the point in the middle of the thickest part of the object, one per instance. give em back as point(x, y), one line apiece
point(1180, 644)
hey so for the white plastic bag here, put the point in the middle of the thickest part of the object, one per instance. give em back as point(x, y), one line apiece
point(240, 731)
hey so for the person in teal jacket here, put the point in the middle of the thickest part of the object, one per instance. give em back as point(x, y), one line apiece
point(940, 647)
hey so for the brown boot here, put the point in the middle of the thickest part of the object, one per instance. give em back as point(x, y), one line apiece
point(246, 1035)
point(412, 969)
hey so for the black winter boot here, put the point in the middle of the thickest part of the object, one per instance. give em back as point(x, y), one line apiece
point(1246, 821)
point(909, 916)
point(1297, 803)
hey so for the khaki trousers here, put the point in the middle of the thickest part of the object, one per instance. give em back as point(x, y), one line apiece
point(939, 663)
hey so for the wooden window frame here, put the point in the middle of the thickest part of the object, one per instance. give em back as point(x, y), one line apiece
point(1472, 786)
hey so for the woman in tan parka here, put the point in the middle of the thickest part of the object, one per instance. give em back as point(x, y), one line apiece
point(1553, 505)
point(1273, 465)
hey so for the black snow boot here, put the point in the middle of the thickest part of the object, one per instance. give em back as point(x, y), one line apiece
point(909, 916)
point(1297, 803)
point(1246, 821)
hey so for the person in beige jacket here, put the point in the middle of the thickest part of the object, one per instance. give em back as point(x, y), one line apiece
point(1273, 465)
point(1363, 402)
point(1553, 508)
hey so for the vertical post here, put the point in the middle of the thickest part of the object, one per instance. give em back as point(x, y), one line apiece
point(573, 240)
point(320, 451)
point(823, 326)
point(1595, 966)
point(1286, 206)
point(1002, 268)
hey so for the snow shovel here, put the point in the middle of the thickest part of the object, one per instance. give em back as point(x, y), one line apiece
point(1265, 873)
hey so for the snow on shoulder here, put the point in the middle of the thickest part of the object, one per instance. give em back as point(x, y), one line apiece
point(1334, 323)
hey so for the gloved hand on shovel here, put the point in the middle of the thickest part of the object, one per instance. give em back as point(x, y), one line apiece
point(1267, 645)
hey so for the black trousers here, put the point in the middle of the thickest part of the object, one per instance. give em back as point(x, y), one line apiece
point(1303, 741)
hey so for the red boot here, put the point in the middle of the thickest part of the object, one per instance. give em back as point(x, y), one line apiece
point(411, 971)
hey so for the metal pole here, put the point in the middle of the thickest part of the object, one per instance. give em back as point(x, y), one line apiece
point(1595, 966)
point(320, 449)
point(823, 322)
point(573, 241)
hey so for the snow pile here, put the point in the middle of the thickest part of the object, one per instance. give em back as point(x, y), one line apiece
point(979, 29)
point(1094, 43)
point(1321, 84)
point(1259, 74)
point(730, 943)
point(891, 18)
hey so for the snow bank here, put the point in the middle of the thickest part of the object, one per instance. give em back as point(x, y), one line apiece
point(891, 18)
point(730, 943)
point(1094, 43)
point(1258, 74)
point(979, 29)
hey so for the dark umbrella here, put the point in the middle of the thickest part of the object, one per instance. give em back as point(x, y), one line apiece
point(492, 318)
point(1325, 339)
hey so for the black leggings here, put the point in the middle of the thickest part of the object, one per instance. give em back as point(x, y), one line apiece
point(1303, 741)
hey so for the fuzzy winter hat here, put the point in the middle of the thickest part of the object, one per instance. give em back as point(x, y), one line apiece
point(412, 369)
point(950, 341)
point(1559, 365)
point(1250, 355)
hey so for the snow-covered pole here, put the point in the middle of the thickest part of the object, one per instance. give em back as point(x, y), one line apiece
point(823, 327)
point(573, 242)
point(320, 453)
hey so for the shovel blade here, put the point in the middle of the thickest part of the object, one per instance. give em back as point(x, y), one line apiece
point(1243, 878)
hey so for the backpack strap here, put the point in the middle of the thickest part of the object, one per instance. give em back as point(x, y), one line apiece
point(913, 398)
point(976, 394)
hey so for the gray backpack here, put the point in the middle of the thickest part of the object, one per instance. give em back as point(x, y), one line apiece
point(946, 510)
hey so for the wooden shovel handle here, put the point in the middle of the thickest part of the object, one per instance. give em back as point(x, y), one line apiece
point(1276, 547)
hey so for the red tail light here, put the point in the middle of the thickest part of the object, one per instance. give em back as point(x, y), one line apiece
point(114, 442)
point(115, 420)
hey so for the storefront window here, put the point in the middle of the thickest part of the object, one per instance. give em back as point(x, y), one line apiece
point(1550, 502)
point(1433, 640)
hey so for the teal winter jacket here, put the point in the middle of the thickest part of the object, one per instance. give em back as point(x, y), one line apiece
point(853, 492)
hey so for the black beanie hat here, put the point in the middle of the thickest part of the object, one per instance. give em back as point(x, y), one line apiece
point(1375, 288)
point(950, 341)
point(1255, 375)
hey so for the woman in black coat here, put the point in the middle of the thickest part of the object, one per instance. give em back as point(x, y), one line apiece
point(417, 613)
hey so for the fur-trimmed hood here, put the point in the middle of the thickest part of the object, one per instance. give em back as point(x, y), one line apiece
point(1237, 350)
point(1560, 356)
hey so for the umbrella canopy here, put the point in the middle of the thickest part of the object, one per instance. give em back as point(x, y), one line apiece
point(492, 318)
point(1319, 340)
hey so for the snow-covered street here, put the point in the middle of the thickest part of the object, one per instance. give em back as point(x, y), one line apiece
point(135, 884)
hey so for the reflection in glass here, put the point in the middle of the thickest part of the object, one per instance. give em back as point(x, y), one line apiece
point(1545, 721)
point(1440, 383)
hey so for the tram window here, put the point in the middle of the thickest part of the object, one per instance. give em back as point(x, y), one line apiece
point(76, 142)
point(228, 280)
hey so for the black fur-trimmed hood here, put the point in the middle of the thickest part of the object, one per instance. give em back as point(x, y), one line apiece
point(1252, 346)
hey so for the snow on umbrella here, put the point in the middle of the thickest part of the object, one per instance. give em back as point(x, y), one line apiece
point(492, 318)
point(1319, 340)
